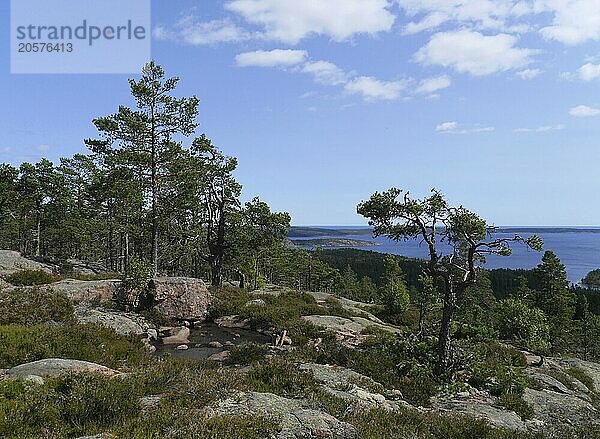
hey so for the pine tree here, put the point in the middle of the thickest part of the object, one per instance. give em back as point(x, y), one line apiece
point(144, 137)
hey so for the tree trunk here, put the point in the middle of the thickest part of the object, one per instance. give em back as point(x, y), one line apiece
point(154, 215)
point(39, 234)
point(421, 320)
point(444, 344)
point(216, 271)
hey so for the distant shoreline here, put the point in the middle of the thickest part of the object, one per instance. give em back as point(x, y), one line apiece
point(335, 231)
point(332, 243)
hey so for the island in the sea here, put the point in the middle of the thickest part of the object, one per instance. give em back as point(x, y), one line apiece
point(332, 242)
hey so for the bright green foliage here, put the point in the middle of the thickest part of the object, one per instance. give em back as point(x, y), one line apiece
point(137, 284)
point(30, 278)
point(281, 377)
point(32, 307)
point(400, 364)
point(518, 322)
point(21, 344)
point(475, 315)
point(517, 404)
point(497, 368)
point(280, 313)
point(581, 376)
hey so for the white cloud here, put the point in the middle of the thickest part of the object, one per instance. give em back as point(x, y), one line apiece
point(43, 148)
point(566, 21)
point(189, 30)
point(574, 22)
point(478, 14)
point(431, 85)
point(292, 20)
point(455, 128)
point(325, 72)
point(542, 129)
point(271, 58)
point(446, 127)
point(529, 73)
point(373, 89)
point(5, 150)
point(589, 71)
point(584, 111)
point(472, 52)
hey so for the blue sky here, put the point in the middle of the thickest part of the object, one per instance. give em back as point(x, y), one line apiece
point(494, 102)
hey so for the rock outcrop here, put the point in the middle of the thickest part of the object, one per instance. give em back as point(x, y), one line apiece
point(57, 366)
point(295, 417)
point(12, 261)
point(120, 322)
point(177, 336)
point(235, 322)
point(352, 324)
point(182, 298)
point(478, 405)
point(80, 290)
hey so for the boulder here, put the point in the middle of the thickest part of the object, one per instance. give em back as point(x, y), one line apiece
point(560, 409)
point(178, 336)
point(256, 302)
point(344, 325)
point(182, 347)
point(481, 407)
point(182, 298)
point(57, 366)
point(295, 417)
point(590, 369)
point(81, 290)
point(12, 261)
point(121, 323)
point(233, 322)
point(219, 356)
point(352, 306)
point(353, 387)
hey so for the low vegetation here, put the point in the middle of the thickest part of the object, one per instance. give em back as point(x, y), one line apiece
point(30, 278)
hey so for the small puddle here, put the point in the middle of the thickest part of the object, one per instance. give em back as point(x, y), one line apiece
point(200, 338)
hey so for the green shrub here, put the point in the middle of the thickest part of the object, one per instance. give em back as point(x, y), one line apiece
point(517, 321)
point(281, 377)
point(247, 354)
point(32, 413)
point(30, 307)
point(516, 404)
point(30, 278)
point(96, 400)
point(155, 317)
point(583, 377)
point(67, 406)
point(187, 383)
point(393, 362)
point(173, 422)
point(379, 424)
point(137, 290)
point(497, 368)
point(21, 344)
point(280, 312)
